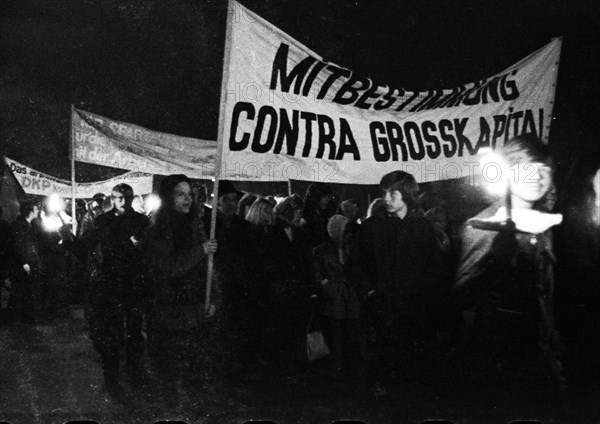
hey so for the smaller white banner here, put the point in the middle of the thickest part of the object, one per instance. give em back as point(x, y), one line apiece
point(38, 183)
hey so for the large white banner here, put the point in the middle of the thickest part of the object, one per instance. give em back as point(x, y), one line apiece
point(103, 141)
point(289, 114)
point(35, 182)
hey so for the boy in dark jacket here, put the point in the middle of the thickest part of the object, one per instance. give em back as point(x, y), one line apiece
point(396, 265)
point(118, 291)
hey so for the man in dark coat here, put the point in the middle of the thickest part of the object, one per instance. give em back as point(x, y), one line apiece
point(396, 264)
point(233, 262)
point(26, 262)
point(117, 293)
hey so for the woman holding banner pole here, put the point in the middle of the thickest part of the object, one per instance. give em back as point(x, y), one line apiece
point(177, 246)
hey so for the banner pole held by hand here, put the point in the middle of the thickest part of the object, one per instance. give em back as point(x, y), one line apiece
point(213, 218)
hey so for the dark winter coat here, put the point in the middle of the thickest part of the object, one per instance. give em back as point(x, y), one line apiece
point(117, 264)
point(289, 263)
point(339, 297)
point(316, 225)
point(233, 261)
point(400, 260)
point(508, 279)
point(178, 270)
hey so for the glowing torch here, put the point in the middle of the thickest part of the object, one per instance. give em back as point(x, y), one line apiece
point(151, 203)
point(55, 203)
point(56, 217)
point(495, 173)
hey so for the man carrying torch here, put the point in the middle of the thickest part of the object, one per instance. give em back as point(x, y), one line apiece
point(505, 274)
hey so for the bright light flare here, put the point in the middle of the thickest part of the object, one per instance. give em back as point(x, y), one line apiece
point(151, 203)
point(596, 212)
point(495, 172)
point(51, 222)
point(55, 203)
point(597, 188)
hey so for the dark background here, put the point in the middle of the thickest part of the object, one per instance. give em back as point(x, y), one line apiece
point(158, 64)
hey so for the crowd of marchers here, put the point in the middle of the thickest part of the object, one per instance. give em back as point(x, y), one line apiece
point(396, 298)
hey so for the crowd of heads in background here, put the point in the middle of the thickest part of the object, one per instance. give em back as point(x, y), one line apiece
point(319, 199)
point(259, 210)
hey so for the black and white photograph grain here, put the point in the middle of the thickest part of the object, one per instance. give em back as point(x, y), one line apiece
point(299, 212)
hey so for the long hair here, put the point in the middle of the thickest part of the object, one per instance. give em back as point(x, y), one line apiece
point(245, 202)
point(256, 211)
point(526, 148)
point(406, 184)
point(166, 192)
point(314, 193)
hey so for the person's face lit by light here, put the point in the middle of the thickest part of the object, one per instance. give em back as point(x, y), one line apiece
point(121, 203)
point(394, 203)
point(529, 182)
point(96, 209)
point(182, 197)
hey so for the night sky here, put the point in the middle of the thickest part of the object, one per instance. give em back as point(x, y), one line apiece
point(158, 64)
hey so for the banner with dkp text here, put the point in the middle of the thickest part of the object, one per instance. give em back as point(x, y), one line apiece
point(289, 114)
point(106, 142)
point(38, 183)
